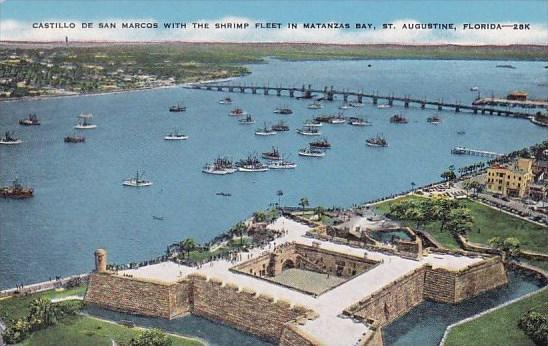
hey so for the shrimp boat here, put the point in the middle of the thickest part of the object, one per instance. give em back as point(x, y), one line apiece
point(175, 136)
point(226, 101)
point(315, 105)
point(283, 110)
point(85, 122)
point(309, 131)
point(461, 132)
point(282, 164)
point(312, 123)
point(248, 120)
point(221, 166)
point(384, 105)
point(377, 141)
point(398, 119)
point(251, 164)
point(434, 120)
point(265, 131)
point(280, 126)
point(236, 112)
point(311, 152)
point(356, 104)
point(273, 155)
point(339, 119)
point(137, 181)
point(356, 121)
point(177, 108)
point(31, 120)
point(320, 144)
point(345, 105)
point(10, 139)
point(16, 191)
point(74, 139)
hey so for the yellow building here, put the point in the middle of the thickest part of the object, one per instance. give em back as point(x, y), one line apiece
point(511, 180)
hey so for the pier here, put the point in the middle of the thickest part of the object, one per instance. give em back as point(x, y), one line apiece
point(474, 152)
point(502, 102)
point(329, 94)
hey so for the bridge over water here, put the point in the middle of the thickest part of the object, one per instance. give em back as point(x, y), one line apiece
point(329, 94)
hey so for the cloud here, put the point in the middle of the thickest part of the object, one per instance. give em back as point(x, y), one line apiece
point(12, 30)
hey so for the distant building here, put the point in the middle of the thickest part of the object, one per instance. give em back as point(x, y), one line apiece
point(510, 180)
point(517, 96)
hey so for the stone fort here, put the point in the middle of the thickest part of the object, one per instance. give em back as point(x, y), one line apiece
point(364, 289)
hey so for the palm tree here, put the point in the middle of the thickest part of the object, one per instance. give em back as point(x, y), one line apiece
point(279, 193)
point(239, 229)
point(413, 186)
point(304, 202)
point(187, 245)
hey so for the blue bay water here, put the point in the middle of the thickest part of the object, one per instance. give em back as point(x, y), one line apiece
point(80, 205)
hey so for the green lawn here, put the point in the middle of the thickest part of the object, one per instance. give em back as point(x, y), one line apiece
point(488, 223)
point(84, 331)
point(73, 330)
point(433, 227)
point(15, 308)
point(499, 327)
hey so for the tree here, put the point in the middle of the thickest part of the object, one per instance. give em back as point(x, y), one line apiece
point(459, 222)
point(279, 193)
point(441, 209)
point(16, 332)
point(304, 202)
point(239, 229)
point(187, 245)
point(535, 325)
point(473, 185)
point(509, 247)
point(151, 337)
point(448, 175)
point(42, 313)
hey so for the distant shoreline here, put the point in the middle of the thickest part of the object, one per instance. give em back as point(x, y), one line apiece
point(103, 93)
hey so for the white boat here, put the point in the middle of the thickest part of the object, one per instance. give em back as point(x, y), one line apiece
point(236, 112)
point(385, 105)
point(310, 152)
point(315, 105)
point(137, 181)
point(377, 141)
point(10, 139)
point(226, 101)
point(221, 166)
point(345, 106)
point(84, 123)
point(355, 121)
point(175, 136)
point(309, 131)
point(312, 123)
point(282, 165)
point(474, 88)
point(265, 131)
point(248, 120)
point(253, 168)
point(339, 119)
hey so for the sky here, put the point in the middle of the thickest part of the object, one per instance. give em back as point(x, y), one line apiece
point(17, 18)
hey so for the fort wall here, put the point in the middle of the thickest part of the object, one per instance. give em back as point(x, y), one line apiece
point(244, 309)
point(391, 301)
point(141, 297)
point(292, 335)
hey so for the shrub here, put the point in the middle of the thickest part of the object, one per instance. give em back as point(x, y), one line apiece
point(535, 325)
point(17, 331)
point(151, 337)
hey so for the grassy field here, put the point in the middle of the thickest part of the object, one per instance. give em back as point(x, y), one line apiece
point(75, 330)
point(15, 308)
point(87, 331)
point(488, 223)
point(433, 227)
point(499, 327)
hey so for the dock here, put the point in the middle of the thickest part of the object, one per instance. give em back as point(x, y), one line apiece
point(502, 102)
point(329, 94)
point(474, 152)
